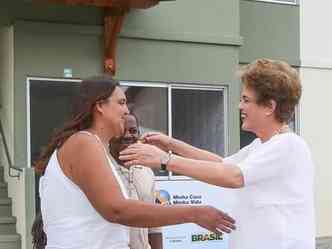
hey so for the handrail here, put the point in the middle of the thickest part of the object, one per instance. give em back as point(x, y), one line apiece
point(10, 163)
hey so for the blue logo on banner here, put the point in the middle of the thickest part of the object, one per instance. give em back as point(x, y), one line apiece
point(163, 197)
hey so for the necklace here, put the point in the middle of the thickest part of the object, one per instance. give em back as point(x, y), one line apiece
point(283, 129)
point(128, 175)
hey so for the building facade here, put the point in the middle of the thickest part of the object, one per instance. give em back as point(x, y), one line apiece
point(163, 53)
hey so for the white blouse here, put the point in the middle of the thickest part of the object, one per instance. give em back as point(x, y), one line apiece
point(70, 221)
point(275, 208)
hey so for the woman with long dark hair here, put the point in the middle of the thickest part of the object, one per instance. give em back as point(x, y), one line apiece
point(39, 238)
point(84, 203)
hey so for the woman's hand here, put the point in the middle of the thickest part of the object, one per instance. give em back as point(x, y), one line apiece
point(142, 154)
point(158, 139)
point(215, 220)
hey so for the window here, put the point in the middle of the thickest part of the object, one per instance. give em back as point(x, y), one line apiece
point(194, 114)
point(149, 103)
point(198, 118)
point(51, 99)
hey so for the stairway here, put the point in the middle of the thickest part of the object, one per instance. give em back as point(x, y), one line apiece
point(9, 239)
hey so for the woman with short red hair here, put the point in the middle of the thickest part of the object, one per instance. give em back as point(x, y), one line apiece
point(274, 174)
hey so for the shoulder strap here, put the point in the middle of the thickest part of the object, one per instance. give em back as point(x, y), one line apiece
point(115, 173)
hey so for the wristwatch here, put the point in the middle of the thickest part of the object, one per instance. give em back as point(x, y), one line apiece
point(165, 160)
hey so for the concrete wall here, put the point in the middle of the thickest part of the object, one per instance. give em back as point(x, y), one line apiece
point(270, 30)
point(16, 187)
point(188, 20)
point(13, 10)
point(46, 50)
point(316, 72)
point(6, 85)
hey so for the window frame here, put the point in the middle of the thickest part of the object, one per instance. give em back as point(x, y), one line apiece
point(28, 115)
point(223, 88)
point(190, 86)
point(296, 2)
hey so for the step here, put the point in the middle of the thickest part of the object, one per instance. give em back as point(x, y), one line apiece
point(5, 207)
point(10, 241)
point(3, 190)
point(323, 242)
point(7, 225)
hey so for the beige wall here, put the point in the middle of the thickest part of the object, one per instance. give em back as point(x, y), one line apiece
point(315, 127)
point(316, 39)
point(316, 73)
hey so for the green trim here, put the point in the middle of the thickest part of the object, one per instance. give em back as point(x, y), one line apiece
point(29, 177)
point(183, 37)
point(295, 63)
point(275, 2)
point(56, 28)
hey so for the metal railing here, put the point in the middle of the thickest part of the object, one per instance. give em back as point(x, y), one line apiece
point(10, 163)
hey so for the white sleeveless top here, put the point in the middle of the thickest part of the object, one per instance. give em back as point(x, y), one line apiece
point(70, 221)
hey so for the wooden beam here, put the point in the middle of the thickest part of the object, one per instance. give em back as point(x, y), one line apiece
point(115, 12)
point(113, 21)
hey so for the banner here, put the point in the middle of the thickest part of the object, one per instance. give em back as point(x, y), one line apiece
point(190, 192)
